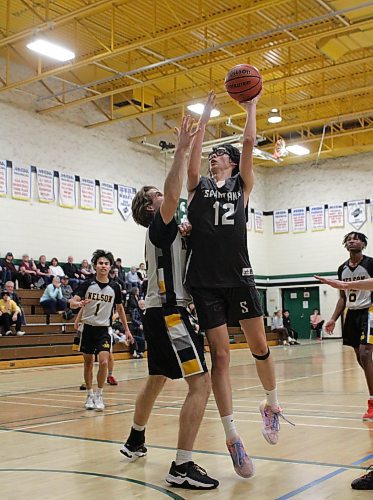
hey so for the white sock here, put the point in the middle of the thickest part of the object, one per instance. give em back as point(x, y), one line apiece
point(183, 456)
point(370, 397)
point(138, 427)
point(99, 391)
point(272, 398)
point(230, 430)
point(90, 392)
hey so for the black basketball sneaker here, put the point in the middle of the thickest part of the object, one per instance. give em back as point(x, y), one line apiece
point(132, 453)
point(190, 476)
point(364, 482)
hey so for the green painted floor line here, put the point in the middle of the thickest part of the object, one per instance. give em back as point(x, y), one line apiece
point(203, 452)
point(97, 474)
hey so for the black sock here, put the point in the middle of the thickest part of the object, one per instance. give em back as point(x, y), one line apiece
point(136, 438)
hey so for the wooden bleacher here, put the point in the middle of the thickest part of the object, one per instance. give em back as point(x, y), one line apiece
point(48, 340)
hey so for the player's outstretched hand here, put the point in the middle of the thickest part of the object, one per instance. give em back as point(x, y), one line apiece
point(340, 285)
point(184, 133)
point(249, 104)
point(329, 326)
point(129, 337)
point(209, 106)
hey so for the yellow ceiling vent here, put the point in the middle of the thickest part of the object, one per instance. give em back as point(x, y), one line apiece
point(125, 102)
point(337, 46)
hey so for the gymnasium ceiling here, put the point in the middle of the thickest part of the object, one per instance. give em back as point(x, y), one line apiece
point(147, 60)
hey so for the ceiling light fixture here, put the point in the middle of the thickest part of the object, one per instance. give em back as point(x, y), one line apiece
point(199, 107)
point(49, 49)
point(274, 116)
point(298, 150)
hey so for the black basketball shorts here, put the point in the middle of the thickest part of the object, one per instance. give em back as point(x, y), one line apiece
point(357, 328)
point(95, 339)
point(219, 306)
point(175, 350)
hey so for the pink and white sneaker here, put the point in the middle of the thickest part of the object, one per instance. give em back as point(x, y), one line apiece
point(271, 423)
point(243, 465)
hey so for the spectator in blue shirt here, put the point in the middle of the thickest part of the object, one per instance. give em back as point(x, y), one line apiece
point(52, 299)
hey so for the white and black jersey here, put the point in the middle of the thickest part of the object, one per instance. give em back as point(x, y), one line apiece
point(103, 298)
point(165, 252)
point(218, 242)
point(357, 299)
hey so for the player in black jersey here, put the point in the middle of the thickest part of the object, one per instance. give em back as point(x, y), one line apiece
point(98, 297)
point(175, 350)
point(357, 329)
point(220, 276)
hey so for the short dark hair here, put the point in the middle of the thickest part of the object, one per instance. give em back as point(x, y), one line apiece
point(54, 258)
point(140, 202)
point(102, 253)
point(359, 236)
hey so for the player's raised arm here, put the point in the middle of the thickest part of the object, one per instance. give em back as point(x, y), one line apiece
point(194, 163)
point(248, 140)
point(347, 285)
point(174, 180)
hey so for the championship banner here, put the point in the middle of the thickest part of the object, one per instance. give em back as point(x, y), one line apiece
point(298, 220)
point(45, 185)
point(357, 214)
point(21, 183)
point(258, 221)
point(87, 193)
point(249, 222)
point(317, 218)
point(125, 197)
point(336, 215)
point(107, 197)
point(371, 210)
point(280, 221)
point(3, 178)
point(67, 190)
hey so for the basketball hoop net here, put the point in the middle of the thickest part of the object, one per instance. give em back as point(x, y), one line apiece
point(280, 149)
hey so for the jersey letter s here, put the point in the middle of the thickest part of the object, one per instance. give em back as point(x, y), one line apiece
point(244, 308)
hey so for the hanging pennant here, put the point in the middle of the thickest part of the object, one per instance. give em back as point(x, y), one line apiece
point(317, 218)
point(45, 185)
point(107, 197)
point(67, 190)
point(258, 221)
point(87, 193)
point(298, 220)
point(21, 183)
point(125, 197)
point(280, 221)
point(3, 178)
point(336, 215)
point(357, 214)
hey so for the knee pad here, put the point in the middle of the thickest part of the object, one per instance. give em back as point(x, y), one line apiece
point(262, 358)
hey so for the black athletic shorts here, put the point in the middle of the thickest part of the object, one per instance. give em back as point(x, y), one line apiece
point(95, 339)
point(219, 306)
point(175, 350)
point(356, 328)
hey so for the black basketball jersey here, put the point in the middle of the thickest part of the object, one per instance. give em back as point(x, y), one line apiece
point(103, 297)
point(357, 299)
point(218, 255)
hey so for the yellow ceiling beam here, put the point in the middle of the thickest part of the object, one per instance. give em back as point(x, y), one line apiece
point(181, 73)
point(174, 32)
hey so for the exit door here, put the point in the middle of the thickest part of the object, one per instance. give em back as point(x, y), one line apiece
point(301, 302)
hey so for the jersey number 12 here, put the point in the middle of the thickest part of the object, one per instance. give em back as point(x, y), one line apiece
point(229, 207)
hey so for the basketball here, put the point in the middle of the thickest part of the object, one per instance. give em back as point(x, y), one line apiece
point(243, 82)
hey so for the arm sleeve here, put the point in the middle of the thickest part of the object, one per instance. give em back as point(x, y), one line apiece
point(162, 235)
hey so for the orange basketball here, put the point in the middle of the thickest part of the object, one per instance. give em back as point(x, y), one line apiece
point(243, 82)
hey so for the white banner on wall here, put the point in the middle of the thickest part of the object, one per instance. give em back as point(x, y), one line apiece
point(371, 210)
point(249, 222)
point(258, 221)
point(357, 214)
point(21, 182)
point(125, 197)
point(107, 197)
point(87, 193)
point(66, 190)
point(298, 220)
point(3, 178)
point(280, 221)
point(317, 217)
point(336, 215)
point(45, 185)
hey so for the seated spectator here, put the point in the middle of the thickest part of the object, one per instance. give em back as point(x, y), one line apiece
point(43, 272)
point(86, 270)
point(132, 279)
point(67, 294)
point(27, 276)
point(121, 271)
point(137, 349)
point(192, 313)
point(316, 322)
point(8, 270)
point(55, 268)
point(114, 276)
point(52, 300)
point(143, 277)
point(133, 299)
point(72, 271)
point(278, 327)
point(293, 335)
point(9, 287)
point(10, 314)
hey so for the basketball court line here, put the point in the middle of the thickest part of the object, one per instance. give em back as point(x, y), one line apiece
point(166, 492)
point(322, 479)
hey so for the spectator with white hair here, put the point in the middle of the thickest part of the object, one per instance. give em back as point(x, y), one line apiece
point(52, 299)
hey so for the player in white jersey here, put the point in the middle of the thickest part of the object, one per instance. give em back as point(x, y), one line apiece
point(175, 350)
point(98, 297)
point(355, 282)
